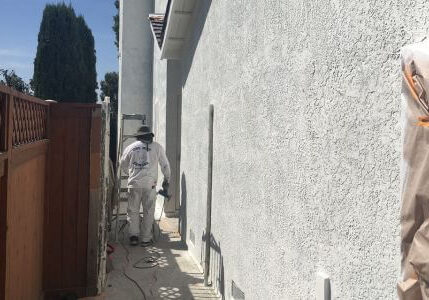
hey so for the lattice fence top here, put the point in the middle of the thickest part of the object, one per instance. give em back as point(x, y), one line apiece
point(3, 121)
point(29, 121)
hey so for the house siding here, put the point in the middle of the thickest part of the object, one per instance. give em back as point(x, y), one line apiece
point(306, 143)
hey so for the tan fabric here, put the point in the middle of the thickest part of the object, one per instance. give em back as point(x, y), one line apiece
point(409, 290)
point(415, 165)
point(419, 252)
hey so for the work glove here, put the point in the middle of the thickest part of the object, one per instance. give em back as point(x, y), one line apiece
point(165, 185)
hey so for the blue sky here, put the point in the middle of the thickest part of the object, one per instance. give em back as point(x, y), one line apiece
point(20, 23)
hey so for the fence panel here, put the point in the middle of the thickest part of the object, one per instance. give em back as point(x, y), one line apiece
point(25, 209)
point(49, 197)
point(71, 219)
point(23, 150)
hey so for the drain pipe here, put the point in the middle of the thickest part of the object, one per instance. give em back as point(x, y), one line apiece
point(209, 199)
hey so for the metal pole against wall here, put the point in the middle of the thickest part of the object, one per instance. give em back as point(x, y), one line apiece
point(118, 177)
point(209, 198)
point(106, 163)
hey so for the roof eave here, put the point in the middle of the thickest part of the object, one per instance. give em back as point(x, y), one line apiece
point(177, 25)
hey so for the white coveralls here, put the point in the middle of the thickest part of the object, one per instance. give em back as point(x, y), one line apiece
point(140, 162)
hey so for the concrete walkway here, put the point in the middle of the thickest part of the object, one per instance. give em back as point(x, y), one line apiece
point(164, 271)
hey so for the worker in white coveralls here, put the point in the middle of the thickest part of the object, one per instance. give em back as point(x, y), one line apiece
point(140, 162)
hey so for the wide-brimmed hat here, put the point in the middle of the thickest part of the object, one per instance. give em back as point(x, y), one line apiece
point(144, 130)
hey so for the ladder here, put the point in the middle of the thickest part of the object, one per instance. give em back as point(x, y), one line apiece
point(120, 188)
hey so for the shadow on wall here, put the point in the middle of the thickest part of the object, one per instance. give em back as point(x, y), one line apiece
point(217, 271)
point(183, 226)
point(202, 8)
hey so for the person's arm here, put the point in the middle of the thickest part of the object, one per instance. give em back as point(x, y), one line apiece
point(165, 166)
point(125, 160)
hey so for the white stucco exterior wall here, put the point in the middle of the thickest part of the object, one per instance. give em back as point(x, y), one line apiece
point(166, 111)
point(306, 143)
point(135, 61)
point(159, 97)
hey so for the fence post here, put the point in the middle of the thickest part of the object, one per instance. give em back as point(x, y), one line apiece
point(6, 105)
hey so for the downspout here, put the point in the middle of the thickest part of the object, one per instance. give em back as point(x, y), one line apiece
point(209, 198)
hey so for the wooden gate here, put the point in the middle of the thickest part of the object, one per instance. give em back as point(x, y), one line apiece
point(73, 196)
point(50, 195)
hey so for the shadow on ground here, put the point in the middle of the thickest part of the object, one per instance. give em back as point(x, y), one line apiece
point(163, 271)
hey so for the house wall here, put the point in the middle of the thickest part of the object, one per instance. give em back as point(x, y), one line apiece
point(135, 61)
point(159, 85)
point(173, 133)
point(306, 143)
point(159, 96)
point(166, 112)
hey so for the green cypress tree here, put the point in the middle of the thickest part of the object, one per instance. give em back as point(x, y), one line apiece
point(109, 87)
point(64, 67)
point(115, 26)
point(88, 62)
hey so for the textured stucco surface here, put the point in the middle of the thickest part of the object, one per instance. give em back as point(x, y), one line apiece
point(135, 61)
point(306, 143)
point(159, 97)
point(167, 96)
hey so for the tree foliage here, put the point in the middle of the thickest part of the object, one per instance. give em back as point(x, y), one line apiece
point(88, 61)
point(109, 88)
point(10, 78)
point(64, 67)
point(116, 24)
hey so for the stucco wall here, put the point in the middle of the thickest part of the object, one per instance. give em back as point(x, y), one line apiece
point(166, 110)
point(135, 62)
point(159, 97)
point(306, 143)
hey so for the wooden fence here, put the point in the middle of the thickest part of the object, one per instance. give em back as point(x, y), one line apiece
point(72, 209)
point(39, 206)
point(24, 145)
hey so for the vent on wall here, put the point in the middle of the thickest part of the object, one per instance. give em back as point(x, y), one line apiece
point(192, 236)
point(236, 293)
